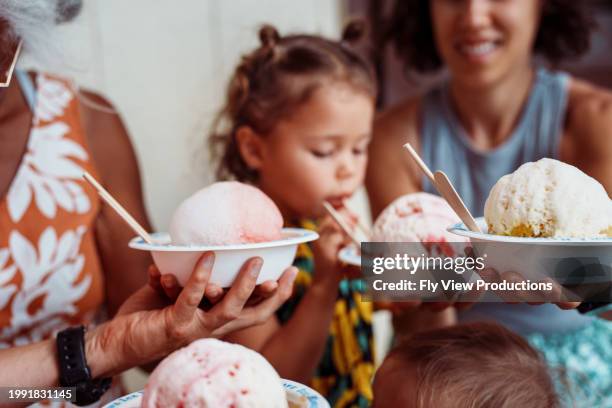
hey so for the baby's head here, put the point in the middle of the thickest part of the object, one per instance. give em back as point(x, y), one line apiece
point(298, 120)
point(470, 365)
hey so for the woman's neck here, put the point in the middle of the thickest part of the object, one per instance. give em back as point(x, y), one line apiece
point(3, 92)
point(11, 100)
point(489, 115)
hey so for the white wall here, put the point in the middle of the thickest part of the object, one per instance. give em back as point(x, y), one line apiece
point(165, 64)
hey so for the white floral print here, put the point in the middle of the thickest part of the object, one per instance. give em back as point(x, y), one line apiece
point(6, 274)
point(51, 268)
point(52, 97)
point(48, 171)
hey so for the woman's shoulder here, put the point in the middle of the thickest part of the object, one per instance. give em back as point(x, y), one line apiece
point(588, 99)
point(106, 133)
point(393, 128)
point(400, 119)
point(589, 114)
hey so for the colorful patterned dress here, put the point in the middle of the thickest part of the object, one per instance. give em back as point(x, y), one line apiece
point(345, 372)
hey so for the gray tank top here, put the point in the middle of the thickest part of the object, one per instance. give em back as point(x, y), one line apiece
point(446, 146)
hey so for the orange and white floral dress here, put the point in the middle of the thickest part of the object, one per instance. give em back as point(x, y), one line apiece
point(50, 272)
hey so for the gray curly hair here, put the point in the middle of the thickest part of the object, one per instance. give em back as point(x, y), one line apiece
point(33, 21)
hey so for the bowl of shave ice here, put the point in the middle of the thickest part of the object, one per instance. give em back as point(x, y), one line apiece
point(548, 219)
point(234, 220)
point(420, 219)
point(211, 373)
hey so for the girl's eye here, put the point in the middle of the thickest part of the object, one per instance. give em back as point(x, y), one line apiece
point(322, 153)
point(361, 148)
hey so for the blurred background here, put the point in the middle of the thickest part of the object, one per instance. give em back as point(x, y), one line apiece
point(165, 64)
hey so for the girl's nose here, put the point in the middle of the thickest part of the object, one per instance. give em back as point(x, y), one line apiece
point(346, 166)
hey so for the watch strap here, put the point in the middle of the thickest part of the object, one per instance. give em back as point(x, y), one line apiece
point(72, 359)
point(74, 371)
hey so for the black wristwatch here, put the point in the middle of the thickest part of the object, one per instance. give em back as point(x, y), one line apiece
point(74, 371)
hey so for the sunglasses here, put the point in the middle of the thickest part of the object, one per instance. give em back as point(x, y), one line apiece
point(9, 71)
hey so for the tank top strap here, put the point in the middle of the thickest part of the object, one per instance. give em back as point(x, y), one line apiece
point(27, 88)
point(548, 116)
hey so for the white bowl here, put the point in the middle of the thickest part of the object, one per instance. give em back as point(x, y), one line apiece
point(533, 257)
point(350, 255)
point(180, 260)
point(298, 395)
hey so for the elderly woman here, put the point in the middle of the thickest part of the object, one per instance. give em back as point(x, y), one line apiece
point(496, 111)
point(63, 254)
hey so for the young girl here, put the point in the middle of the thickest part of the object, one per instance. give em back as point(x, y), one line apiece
point(298, 122)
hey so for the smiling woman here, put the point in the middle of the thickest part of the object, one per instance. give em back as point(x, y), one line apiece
point(498, 110)
point(563, 29)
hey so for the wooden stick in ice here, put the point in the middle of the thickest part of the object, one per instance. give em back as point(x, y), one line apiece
point(363, 229)
point(359, 224)
point(341, 222)
point(420, 163)
point(446, 190)
point(122, 212)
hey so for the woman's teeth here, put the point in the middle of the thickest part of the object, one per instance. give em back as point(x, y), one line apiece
point(478, 49)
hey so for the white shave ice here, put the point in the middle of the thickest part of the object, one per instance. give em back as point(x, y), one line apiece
point(549, 198)
point(210, 373)
point(226, 213)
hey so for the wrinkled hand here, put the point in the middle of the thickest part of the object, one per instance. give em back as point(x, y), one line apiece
point(168, 285)
point(149, 325)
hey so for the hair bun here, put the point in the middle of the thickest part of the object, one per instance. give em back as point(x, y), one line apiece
point(354, 31)
point(268, 35)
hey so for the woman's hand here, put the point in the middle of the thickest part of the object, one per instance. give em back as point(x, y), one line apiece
point(169, 286)
point(148, 326)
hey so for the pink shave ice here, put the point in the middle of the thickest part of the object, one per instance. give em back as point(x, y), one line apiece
point(418, 217)
point(210, 373)
point(226, 213)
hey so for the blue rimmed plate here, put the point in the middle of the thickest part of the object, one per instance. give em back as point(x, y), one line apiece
point(298, 396)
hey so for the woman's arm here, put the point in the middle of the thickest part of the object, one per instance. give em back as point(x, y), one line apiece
point(587, 142)
point(392, 130)
point(147, 327)
point(125, 270)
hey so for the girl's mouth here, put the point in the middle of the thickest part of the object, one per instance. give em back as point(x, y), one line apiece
point(337, 201)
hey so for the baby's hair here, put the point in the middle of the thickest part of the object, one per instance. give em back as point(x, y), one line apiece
point(272, 81)
point(472, 365)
